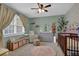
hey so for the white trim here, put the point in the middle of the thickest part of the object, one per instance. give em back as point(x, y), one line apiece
point(8, 35)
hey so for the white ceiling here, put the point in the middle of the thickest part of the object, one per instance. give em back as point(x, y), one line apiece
point(55, 9)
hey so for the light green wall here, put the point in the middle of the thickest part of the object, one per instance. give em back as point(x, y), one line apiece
point(41, 21)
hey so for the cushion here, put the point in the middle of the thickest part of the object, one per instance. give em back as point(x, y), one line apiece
point(3, 51)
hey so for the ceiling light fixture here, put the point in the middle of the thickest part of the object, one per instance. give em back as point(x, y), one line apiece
point(40, 10)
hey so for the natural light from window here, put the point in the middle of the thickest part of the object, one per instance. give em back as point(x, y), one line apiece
point(15, 28)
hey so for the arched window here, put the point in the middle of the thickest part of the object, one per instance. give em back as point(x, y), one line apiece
point(15, 28)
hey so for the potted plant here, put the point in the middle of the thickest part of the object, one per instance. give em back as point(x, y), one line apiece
point(62, 23)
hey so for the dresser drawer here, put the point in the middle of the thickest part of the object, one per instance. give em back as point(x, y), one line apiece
point(20, 43)
point(15, 45)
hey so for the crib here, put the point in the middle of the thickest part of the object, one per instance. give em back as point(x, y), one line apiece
point(69, 43)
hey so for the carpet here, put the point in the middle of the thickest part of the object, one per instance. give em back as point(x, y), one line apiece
point(26, 49)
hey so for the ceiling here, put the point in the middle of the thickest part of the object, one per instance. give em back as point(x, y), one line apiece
point(55, 9)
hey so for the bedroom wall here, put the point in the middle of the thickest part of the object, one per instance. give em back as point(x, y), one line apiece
point(42, 21)
point(73, 17)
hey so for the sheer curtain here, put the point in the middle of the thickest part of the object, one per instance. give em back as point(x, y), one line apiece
point(6, 16)
point(24, 20)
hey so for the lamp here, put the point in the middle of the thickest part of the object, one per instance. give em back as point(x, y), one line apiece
point(40, 10)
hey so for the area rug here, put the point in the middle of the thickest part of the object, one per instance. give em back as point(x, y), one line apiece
point(43, 51)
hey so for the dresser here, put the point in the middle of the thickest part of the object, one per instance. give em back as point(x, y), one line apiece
point(17, 44)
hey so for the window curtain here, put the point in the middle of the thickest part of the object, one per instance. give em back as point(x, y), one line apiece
point(24, 20)
point(6, 16)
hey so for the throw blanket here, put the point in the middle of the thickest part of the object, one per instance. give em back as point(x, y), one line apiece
point(3, 51)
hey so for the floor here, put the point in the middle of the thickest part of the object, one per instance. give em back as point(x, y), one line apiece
point(26, 49)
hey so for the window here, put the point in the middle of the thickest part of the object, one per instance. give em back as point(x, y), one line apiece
point(15, 28)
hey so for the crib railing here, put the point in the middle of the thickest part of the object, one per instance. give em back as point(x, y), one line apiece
point(72, 45)
point(69, 43)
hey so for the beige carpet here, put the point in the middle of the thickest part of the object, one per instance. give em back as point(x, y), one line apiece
point(26, 49)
